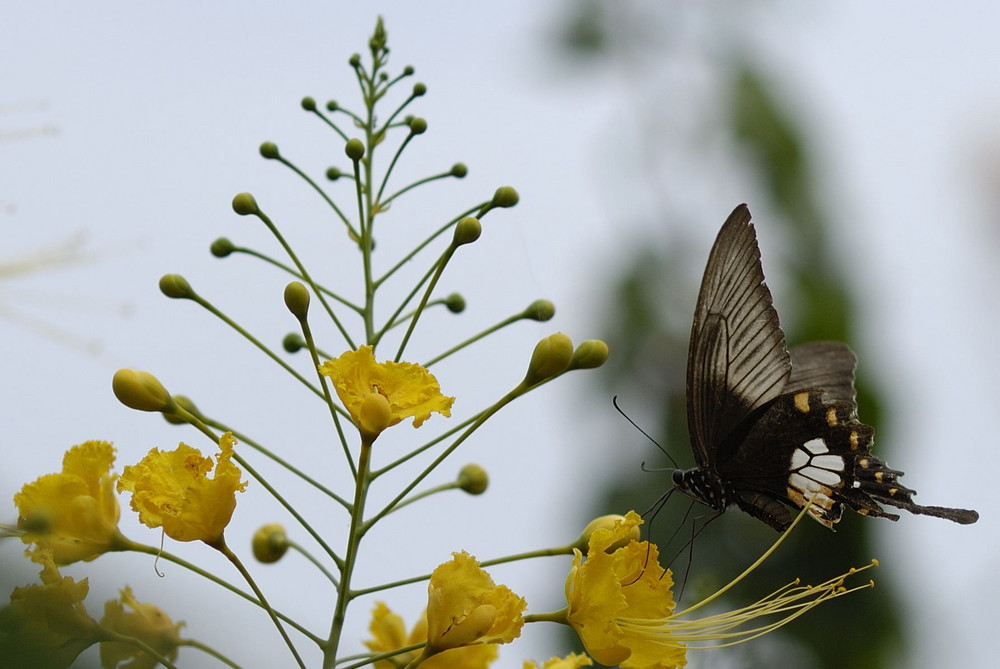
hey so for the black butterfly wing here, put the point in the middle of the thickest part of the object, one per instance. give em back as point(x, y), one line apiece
point(823, 364)
point(737, 358)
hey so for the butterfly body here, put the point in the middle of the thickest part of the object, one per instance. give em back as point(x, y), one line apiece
point(772, 428)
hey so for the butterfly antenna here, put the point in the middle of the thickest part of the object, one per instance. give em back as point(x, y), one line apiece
point(614, 401)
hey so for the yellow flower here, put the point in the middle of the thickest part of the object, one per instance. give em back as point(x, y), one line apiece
point(389, 634)
point(380, 395)
point(172, 490)
point(621, 606)
point(465, 607)
point(47, 625)
point(571, 661)
point(625, 583)
point(144, 622)
point(74, 513)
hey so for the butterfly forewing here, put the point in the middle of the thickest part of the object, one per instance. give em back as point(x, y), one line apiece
point(737, 359)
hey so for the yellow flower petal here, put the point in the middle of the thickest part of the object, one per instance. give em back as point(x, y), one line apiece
point(145, 622)
point(389, 634)
point(465, 607)
point(571, 661)
point(74, 513)
point(409, 391)
point(172, 490)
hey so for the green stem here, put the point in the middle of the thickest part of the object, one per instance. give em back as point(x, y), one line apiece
point(107, 635)
point(322, 193)
point(193, 643)
point(290, 270)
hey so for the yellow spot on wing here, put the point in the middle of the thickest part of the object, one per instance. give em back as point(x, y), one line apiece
point(854, 440)
point(802, 402)
point(831, 417)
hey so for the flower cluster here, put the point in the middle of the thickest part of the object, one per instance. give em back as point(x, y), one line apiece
point(619, 598)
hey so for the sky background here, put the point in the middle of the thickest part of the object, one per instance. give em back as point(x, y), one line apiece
point(159, 111)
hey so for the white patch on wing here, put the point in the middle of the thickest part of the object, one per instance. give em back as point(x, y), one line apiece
point(816, 446)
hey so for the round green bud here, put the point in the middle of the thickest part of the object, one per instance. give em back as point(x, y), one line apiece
point(331, 105)
point(355, 149)
point(550, 358)
point(540, 310)
point(140, 391)
point(309, 104)
point(418, 126)
point(459, 170)
point(384, 76)
point(175, 287)
point(467, 231)
point(590, 354)
point(269, 150)
point(182, 402)
point(222, 247)
point(455, 303)
point(293, 342)
point(333, 173)
point(408, 71)
point(505, 197)
point(473, 479)
point(269, 543)
point(297, 299)
point(419, 89)
point(244, 204)
point(354, 60)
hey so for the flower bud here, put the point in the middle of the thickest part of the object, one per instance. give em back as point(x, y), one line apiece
point(467, 231)
point(605, 523)
point(455, 303)
point(175, 287)
point(181, 402)
point(505, 196)
point(331, 105)
point(550, 358)
point(375, 415)
point(269, 543)
point(540, 310)
point(244, 204)
point(419, 89)
point(354, 60)
point(418, 126)
point(297, 299)
point(333, 173)
point(293, 342)
point(473, 479)
point(355, 149)
point(222, 247)
point(269, 150)
point(590, 354)
point(309, 104)
point(459, 170)
point(140, 390)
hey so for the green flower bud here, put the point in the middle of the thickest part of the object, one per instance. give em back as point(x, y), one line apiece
point(455, 303)
point(331, 105)
point(244, 204)
point(551, 357)
point(181, 402)
point(419, 89)
point(354, 60)
point(176, 287)
point(269, 150)
point(297, 299)
point(333, 173)
point(467, 231)
point(408, 71)
point(141, 391)
point(269, 543)
point(540, 310)
point(505, 197)
point(293, 342)
point(309, 104)
point(473, 479)
point(355, 149)
point(418, 126)
point(222, 247)
point(590, 354)
point(459, 170)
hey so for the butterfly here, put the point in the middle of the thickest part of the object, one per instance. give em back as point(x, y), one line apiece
point(772, 428)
